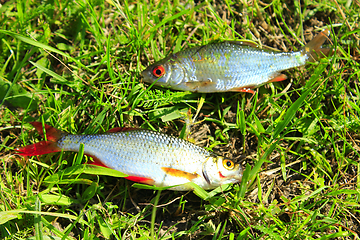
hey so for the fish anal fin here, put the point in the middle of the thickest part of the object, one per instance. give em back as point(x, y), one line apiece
point(120, 129)
point(179, 173)
point(96, 161)
point(243, 89)
point(143, 180)
point(278, 78)
point(52, 134)
point(39, 148)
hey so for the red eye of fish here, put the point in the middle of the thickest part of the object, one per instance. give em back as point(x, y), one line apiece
point(159, 71)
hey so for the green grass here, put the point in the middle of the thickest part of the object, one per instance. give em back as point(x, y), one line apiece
point(76, 65)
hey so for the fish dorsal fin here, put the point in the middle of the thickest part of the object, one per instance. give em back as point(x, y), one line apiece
point(120, 129)
point(245, 43)
point(254, 45)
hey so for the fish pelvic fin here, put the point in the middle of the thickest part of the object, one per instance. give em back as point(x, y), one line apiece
point(43, 147)
point(179, 173)
point(313, 48)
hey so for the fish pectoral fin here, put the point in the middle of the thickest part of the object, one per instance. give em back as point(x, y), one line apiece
point(197, 84)
point(179, 173)
point(143, 180)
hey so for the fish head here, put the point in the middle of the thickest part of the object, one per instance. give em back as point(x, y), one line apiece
point(165, 73)
point(220, 170)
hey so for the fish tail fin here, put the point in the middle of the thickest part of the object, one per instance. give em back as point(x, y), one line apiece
point(52, 134)
point(313, 48)
point(43, 147)
point(39, 148)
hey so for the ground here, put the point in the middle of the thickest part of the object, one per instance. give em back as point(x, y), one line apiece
point(76, 66)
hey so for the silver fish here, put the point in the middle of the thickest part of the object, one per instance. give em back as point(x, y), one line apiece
point(146, 156)
point(229, 66)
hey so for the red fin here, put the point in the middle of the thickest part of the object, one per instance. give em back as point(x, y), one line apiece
point(120, 129)
point(243, 89)
point(144, 180)
point(96, 162)
point(39, 148)
point(42, 147)
point(278, 78)
point(52, 134)
point(180, 173)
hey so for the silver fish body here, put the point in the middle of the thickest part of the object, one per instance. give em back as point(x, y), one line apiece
point(146, 156)
point(226, 66)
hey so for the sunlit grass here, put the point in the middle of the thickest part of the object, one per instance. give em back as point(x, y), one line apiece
point(76, 65)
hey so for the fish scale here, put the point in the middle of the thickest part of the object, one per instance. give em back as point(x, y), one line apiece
point(229, 66)
point(232, 66)
point(146, 156)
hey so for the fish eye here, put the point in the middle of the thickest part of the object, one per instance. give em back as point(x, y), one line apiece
point(228, 164)
point(158, 71)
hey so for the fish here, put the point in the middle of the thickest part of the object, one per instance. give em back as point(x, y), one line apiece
point(230, 66)
point(146, 156)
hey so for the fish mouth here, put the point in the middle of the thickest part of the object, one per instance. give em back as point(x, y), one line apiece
point(240, 174)
point(146, 75)
point(239, 178)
